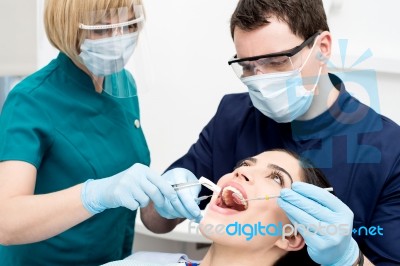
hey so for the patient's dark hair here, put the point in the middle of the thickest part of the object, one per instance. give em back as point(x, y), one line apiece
point(311, 174)
point(315, 177)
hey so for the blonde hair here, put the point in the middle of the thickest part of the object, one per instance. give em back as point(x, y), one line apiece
point(62, 19)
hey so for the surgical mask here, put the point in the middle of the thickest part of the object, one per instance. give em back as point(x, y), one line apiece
point(107, 56)
point(281, 96)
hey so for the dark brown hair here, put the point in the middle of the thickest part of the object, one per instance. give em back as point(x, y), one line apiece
point(311, 174)
point(304, 17)
point(315, 177)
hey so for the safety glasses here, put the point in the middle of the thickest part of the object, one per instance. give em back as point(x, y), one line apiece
point(268, 63)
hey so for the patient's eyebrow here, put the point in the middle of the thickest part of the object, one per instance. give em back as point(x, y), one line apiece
point(270, 165)
point(251, 159)
point(277, 167)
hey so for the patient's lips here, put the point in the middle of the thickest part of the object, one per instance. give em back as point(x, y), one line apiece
point(232, 196)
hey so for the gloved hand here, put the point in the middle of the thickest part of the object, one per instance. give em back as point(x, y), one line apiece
point(131, 188)
point(186, 196)
point(306, 204)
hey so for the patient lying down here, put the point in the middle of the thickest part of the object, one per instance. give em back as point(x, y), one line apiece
point(230, 221)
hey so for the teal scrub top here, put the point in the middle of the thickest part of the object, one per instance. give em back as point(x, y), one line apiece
point(56, 121)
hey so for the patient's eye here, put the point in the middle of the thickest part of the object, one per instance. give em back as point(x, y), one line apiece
point(277, 177)
point(242, 163)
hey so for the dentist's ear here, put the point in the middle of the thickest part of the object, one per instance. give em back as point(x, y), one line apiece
point(293, 242)
point(322, 58)
point(325, 47)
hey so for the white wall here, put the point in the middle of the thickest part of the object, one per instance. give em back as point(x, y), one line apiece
point(18, 45)
point(190, 45)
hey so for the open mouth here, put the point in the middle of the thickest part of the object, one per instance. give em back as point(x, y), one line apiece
point(232, 198)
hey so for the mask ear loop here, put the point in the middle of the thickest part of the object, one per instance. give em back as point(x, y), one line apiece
point(320, 68)
point(308, 56)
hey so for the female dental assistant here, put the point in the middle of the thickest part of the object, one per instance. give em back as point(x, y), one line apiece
point(71, 146)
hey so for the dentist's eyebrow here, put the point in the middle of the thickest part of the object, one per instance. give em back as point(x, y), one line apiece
point(276, 167)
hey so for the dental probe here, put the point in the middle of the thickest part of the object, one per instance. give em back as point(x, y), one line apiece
point(238, 200)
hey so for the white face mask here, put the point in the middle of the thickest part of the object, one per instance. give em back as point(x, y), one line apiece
point(281, 96)
point(107, 56)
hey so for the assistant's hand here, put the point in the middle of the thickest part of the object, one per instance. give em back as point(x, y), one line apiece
point(131, 188)
point(307, 205)
point(188, 207)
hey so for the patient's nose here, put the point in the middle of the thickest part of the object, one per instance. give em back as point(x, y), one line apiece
point(242, 174)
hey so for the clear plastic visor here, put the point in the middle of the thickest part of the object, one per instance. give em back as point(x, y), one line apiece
point(113, 22)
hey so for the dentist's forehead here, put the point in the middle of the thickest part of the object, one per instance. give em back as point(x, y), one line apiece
point(271, 38)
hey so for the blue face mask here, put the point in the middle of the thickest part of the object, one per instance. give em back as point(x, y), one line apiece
point(281, 96)
point(107, 56)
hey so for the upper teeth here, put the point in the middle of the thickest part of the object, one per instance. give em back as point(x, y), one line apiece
point(236, 192)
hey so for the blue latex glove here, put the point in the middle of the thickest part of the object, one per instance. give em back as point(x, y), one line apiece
point(307, 204)
point(186, 196)
point(130, 188)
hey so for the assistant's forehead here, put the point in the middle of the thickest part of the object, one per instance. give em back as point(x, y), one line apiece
point(282, 159)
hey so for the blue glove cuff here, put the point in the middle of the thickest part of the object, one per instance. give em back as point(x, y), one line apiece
point(350, 256)
point(85, 199)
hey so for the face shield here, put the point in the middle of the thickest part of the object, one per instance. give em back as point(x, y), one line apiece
point(111, 37)
point(113, 22)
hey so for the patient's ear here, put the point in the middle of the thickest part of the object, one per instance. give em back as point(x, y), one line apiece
point(291, 243)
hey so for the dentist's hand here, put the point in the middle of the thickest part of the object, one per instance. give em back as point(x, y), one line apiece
point(306, 204)
point(131, 188)
point(188, 207)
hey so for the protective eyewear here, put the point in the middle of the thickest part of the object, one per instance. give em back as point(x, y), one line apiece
point(268, 63)
point(117, 21)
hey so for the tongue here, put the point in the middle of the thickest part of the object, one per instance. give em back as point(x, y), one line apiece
point(231, 200)
point(236, 198)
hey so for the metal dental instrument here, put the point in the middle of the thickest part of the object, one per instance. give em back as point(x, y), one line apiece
point(202, 198)
point(202, 181)
point(185, 185)
point(236, 198)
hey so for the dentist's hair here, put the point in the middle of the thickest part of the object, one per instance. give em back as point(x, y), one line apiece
point(304, 17)
point(62, 19)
